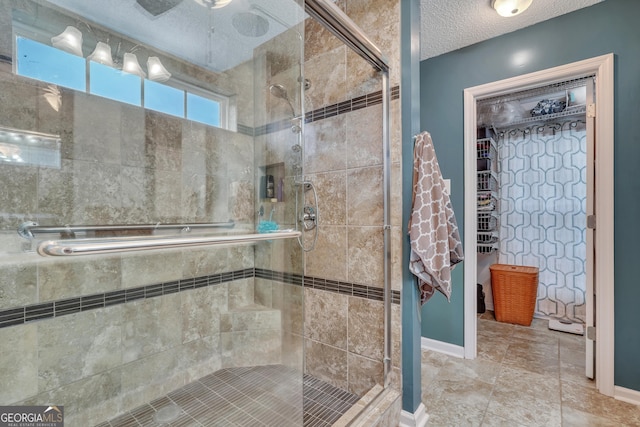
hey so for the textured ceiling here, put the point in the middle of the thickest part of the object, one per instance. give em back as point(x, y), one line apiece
point(448, 25)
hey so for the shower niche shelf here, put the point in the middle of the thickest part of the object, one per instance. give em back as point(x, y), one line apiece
point(272, 182)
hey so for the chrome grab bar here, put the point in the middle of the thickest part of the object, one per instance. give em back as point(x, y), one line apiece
point(27, 229)
point(128, 244)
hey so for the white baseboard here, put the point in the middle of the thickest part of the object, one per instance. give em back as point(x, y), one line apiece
point(442, 347)
point(627, 395)
point(417, 419)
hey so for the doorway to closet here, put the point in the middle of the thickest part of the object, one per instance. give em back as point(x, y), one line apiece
point(533, 190)
point(532, 203)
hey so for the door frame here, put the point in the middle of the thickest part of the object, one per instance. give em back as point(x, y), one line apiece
point(602, 67)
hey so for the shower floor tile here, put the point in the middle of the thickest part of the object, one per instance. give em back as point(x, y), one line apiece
point(242, 397)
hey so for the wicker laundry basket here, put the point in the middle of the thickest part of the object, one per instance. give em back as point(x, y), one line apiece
point(514, 289)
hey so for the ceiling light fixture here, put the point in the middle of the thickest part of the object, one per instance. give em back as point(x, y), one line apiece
point(70, 40)
point(131, 65)
point(509, 8)
point(102, 54)
point(156, 70)
point(213, 4)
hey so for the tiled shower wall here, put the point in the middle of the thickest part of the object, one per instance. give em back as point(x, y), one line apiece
point(343, 157)
point(111, 341)
point(105, 361)
point(133, 165)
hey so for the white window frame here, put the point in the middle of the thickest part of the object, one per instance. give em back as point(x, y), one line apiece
point(225, 102)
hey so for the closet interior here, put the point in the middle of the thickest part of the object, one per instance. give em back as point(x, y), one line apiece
point(532, 193)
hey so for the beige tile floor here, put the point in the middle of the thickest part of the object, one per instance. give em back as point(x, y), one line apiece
point(523, 376)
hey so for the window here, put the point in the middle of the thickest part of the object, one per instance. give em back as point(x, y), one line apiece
point(48, 64)
point(51, 65)
point(114, 84)
point(163, 98)
point(203, 110)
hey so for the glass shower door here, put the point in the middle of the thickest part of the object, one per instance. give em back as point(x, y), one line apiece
point(137, 281)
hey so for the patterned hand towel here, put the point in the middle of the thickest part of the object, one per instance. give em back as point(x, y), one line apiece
point(435, 240)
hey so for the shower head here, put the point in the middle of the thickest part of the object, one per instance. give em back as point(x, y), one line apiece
point(250, 24)
point(280, 92)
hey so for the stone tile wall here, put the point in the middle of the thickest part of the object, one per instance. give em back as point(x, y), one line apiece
point(106, 361)
point(124, 164)
point(133, 165)
point(343, 157)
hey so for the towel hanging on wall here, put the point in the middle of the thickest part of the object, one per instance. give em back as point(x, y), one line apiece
point(435, 240)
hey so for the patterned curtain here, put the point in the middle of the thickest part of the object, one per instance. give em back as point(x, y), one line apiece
point(543, 186)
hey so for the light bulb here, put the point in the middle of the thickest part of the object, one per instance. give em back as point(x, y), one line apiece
point(70, 40)
point(213, 4)
point(102, 54)
point(156, 70)
point(509, 8)
point(131, 65)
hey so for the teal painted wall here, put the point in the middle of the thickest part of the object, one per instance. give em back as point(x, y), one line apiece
point(612, 26)
point(410, 91)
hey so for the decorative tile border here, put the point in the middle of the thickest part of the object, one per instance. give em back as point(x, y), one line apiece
point(245, 130)
point(30, 313)
point(351, 289)
point(364, 101)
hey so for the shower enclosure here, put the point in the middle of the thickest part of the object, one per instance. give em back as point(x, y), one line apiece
point(149, 244)
point(156, 213)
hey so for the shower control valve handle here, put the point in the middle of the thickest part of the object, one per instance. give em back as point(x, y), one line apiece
point(308, 218)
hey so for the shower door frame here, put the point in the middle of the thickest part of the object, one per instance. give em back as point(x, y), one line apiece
point(602, 68)
point(332, 18)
